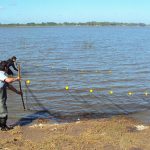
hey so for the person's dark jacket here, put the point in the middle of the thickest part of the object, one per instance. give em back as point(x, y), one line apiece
point(10, 63)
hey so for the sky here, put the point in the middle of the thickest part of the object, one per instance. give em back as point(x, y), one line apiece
point(24, 11)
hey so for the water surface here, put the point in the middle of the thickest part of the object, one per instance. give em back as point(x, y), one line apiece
point(100, 58)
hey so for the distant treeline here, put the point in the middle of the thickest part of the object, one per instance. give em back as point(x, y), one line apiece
point(93, 23)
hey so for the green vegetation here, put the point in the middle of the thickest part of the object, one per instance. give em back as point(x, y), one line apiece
point(93, 23)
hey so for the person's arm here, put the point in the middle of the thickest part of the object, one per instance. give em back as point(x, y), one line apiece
point(13, 65)
point(10, 80)
point(12, 88)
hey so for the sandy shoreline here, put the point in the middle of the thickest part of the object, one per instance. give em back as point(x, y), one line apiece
point(116, 133)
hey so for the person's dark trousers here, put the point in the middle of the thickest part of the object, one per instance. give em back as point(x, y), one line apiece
point(10, 72)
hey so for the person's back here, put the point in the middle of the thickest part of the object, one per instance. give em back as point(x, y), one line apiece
point(11, 63)
point(2, 73)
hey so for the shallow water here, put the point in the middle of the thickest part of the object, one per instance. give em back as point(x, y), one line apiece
point(100, 58)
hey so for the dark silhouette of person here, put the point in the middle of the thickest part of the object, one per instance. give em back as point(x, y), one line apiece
point(11, 63)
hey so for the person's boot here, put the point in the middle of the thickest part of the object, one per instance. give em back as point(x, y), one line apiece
point(0, 122)
point(3, 125)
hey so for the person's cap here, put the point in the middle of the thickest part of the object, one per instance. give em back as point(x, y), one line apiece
point(14, 57)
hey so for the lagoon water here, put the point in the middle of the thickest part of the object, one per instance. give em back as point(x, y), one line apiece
point(112, 61)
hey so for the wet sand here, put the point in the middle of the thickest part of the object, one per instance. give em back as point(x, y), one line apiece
point(116, 133)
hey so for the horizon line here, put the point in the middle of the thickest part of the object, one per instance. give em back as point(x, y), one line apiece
point(71, 22)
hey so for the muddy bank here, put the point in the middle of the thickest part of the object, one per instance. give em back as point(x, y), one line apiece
point(116, 133)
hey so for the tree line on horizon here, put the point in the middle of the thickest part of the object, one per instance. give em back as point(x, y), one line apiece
point(92, 23)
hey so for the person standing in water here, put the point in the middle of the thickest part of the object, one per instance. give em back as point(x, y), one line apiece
point(12, 63)
point(4, 84)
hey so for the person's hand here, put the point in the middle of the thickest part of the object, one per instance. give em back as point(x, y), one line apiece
point(19, 92)
point(18, 78)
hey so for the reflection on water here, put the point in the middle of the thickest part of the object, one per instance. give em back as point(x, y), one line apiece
point(100, 58)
